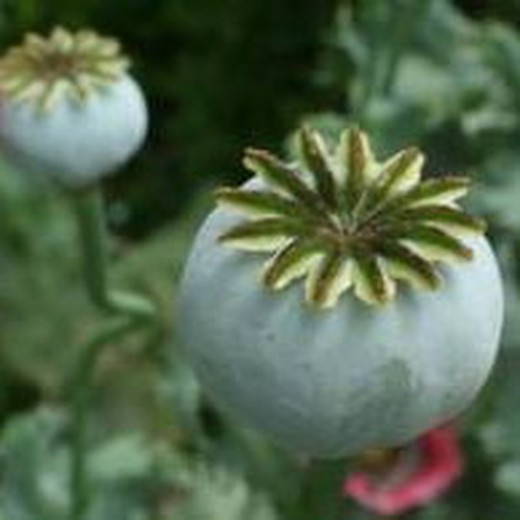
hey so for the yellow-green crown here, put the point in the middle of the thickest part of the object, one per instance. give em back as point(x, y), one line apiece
point(65, 65)
point(343, 220)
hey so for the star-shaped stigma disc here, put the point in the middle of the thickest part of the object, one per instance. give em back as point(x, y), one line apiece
point(65, 65)
point(342, 220)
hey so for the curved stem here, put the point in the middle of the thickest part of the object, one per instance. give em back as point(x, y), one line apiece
point(88, 206)
point(81, 384)
point(130, 313)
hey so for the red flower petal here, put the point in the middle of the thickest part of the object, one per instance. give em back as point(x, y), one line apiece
point(438, 463)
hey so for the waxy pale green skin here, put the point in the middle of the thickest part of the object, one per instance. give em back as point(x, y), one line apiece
point(76, 143)
point(328, 383)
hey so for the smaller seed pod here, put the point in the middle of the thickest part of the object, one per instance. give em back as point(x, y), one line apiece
point(397, 322)
point(68, 107)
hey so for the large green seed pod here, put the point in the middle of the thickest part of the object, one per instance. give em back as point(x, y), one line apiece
point(393, 332)
point(68, 108)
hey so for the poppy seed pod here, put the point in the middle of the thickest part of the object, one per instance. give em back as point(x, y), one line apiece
point(396, 325)
point(68, 108)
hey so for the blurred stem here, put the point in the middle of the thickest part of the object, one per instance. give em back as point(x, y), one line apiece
point(321, 490)
point(403, 24)
point(129, 313)
point(88, 205)
point(386, 53)
point(81, 383)
point(369, 89)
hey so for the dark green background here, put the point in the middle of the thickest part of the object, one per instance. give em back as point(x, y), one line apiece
point(219, 75)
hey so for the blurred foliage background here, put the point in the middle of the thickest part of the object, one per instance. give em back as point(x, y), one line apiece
point(219, 76)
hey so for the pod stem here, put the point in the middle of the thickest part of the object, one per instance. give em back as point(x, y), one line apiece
point(124, 313)
point(88, 206)
point(81, 385)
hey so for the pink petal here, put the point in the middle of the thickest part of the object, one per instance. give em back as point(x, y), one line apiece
point(439, 465)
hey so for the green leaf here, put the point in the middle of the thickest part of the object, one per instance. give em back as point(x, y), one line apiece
point(500, 201)
point(34, 467)
point(216, 493)
point(128, 456)
point(503, 53)
point(507, 477)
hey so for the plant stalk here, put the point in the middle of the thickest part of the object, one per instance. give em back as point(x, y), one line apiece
point(88, 206)
point(81, 384)
point(127, 312)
